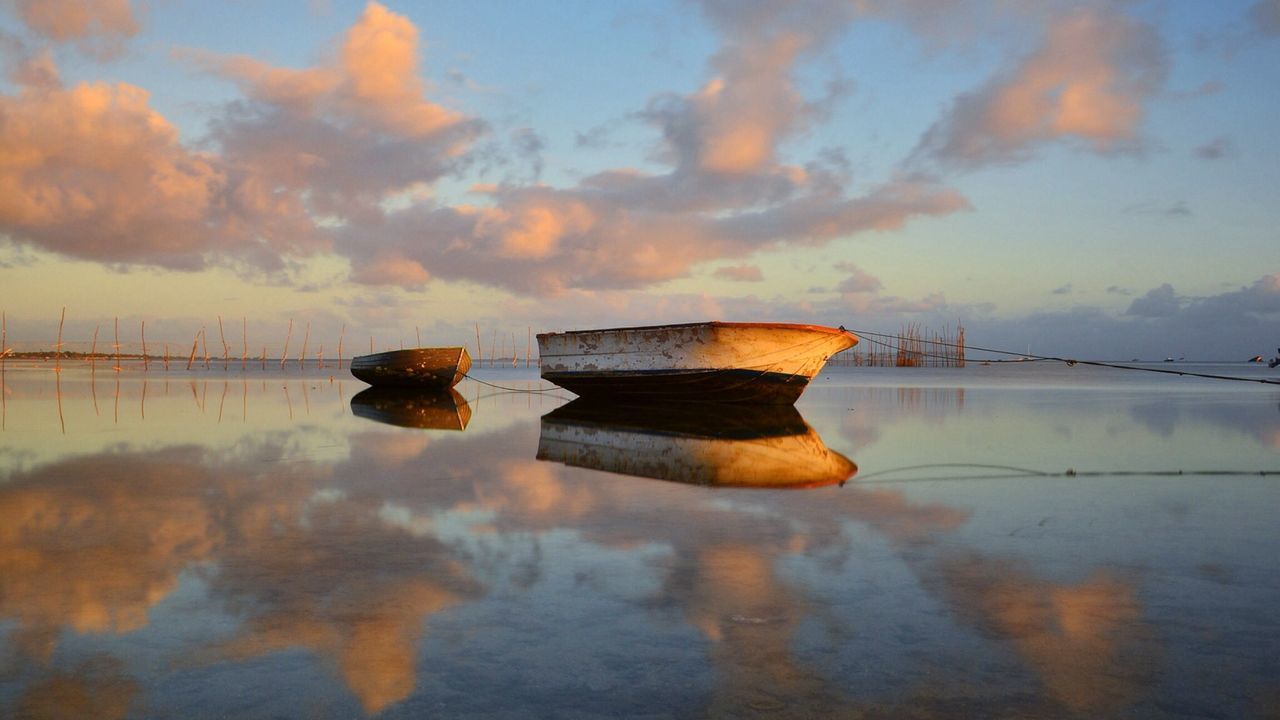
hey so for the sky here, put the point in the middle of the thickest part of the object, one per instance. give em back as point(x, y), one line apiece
point(1094, 179)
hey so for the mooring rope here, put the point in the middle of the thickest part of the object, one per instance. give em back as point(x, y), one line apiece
point(510, 389)
point(1071, 362)
point(1013, 473)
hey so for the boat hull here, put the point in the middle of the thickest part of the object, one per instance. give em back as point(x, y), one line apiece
point(418, 367)
point(769, 363)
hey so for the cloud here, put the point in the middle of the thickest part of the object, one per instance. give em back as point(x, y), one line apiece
point(1215, 149)
point(740, 273)
point(26, 66)
point(1265, 15)
point(1160, 322)
point(1177, 208)
point(98, 174)
point(99, 27)
point(1158, 302)
point(1064, 290)
point(1205, 89)
point(344, 136)
point(544, 241)
point(344, 156)
point(859, 281)
point(1086, 83)
point(93, 172)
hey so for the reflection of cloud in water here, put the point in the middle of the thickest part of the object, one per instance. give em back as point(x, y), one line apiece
point(1085, 641)
point(97, 689)
point(1163, 416)
point(91, 544)
point(343, 559)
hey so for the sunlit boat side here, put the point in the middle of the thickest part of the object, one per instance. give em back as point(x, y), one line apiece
point(745, 446)
point(709, 361)
point(440, 367)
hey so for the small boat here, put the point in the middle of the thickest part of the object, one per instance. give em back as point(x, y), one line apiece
point(419, 367)
point(710, 361)
point(745, 446)
point(425, 408)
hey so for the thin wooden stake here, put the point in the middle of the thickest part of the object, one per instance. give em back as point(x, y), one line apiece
point(302, 361)
point(285, 354)
point(226, 350)
point(195, 342)
point(419, 334)
point(244, 338)
point(93, 348)
point(479, 350)
point(204, 345)
point(57, 361)
point(117, 345)
point(341, 335)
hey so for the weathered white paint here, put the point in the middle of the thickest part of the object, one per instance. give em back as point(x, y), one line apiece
point(789, 349)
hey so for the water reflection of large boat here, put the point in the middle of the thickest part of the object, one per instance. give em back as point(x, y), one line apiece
point(758, 446)
point(430, 409)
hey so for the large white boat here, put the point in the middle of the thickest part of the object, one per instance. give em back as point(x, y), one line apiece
point(709, 361)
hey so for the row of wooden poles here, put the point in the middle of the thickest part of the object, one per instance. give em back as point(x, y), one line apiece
point(200, 355)
point(913, 346)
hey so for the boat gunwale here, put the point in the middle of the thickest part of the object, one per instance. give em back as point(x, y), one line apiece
point(710, 323)
point(406, 353)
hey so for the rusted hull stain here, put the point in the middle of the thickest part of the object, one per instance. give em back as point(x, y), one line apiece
point(720, 362)
point(781, 451)
point(419, 367)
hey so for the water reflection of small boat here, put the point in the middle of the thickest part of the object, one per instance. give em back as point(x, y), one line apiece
point(417, 367)
point(431, 409)
point(757, 446)
point(709, 361)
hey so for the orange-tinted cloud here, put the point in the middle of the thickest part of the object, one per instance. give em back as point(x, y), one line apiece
point(372, 81)
point(349, 149)
point(93, 172)
point(99, 26)
point(1087, 82)
point(347, 134)
point(547, 241)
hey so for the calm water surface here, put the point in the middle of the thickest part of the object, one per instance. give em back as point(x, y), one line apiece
point(1017, 540)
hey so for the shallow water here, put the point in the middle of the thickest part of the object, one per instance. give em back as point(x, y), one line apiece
point(1021, 540)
